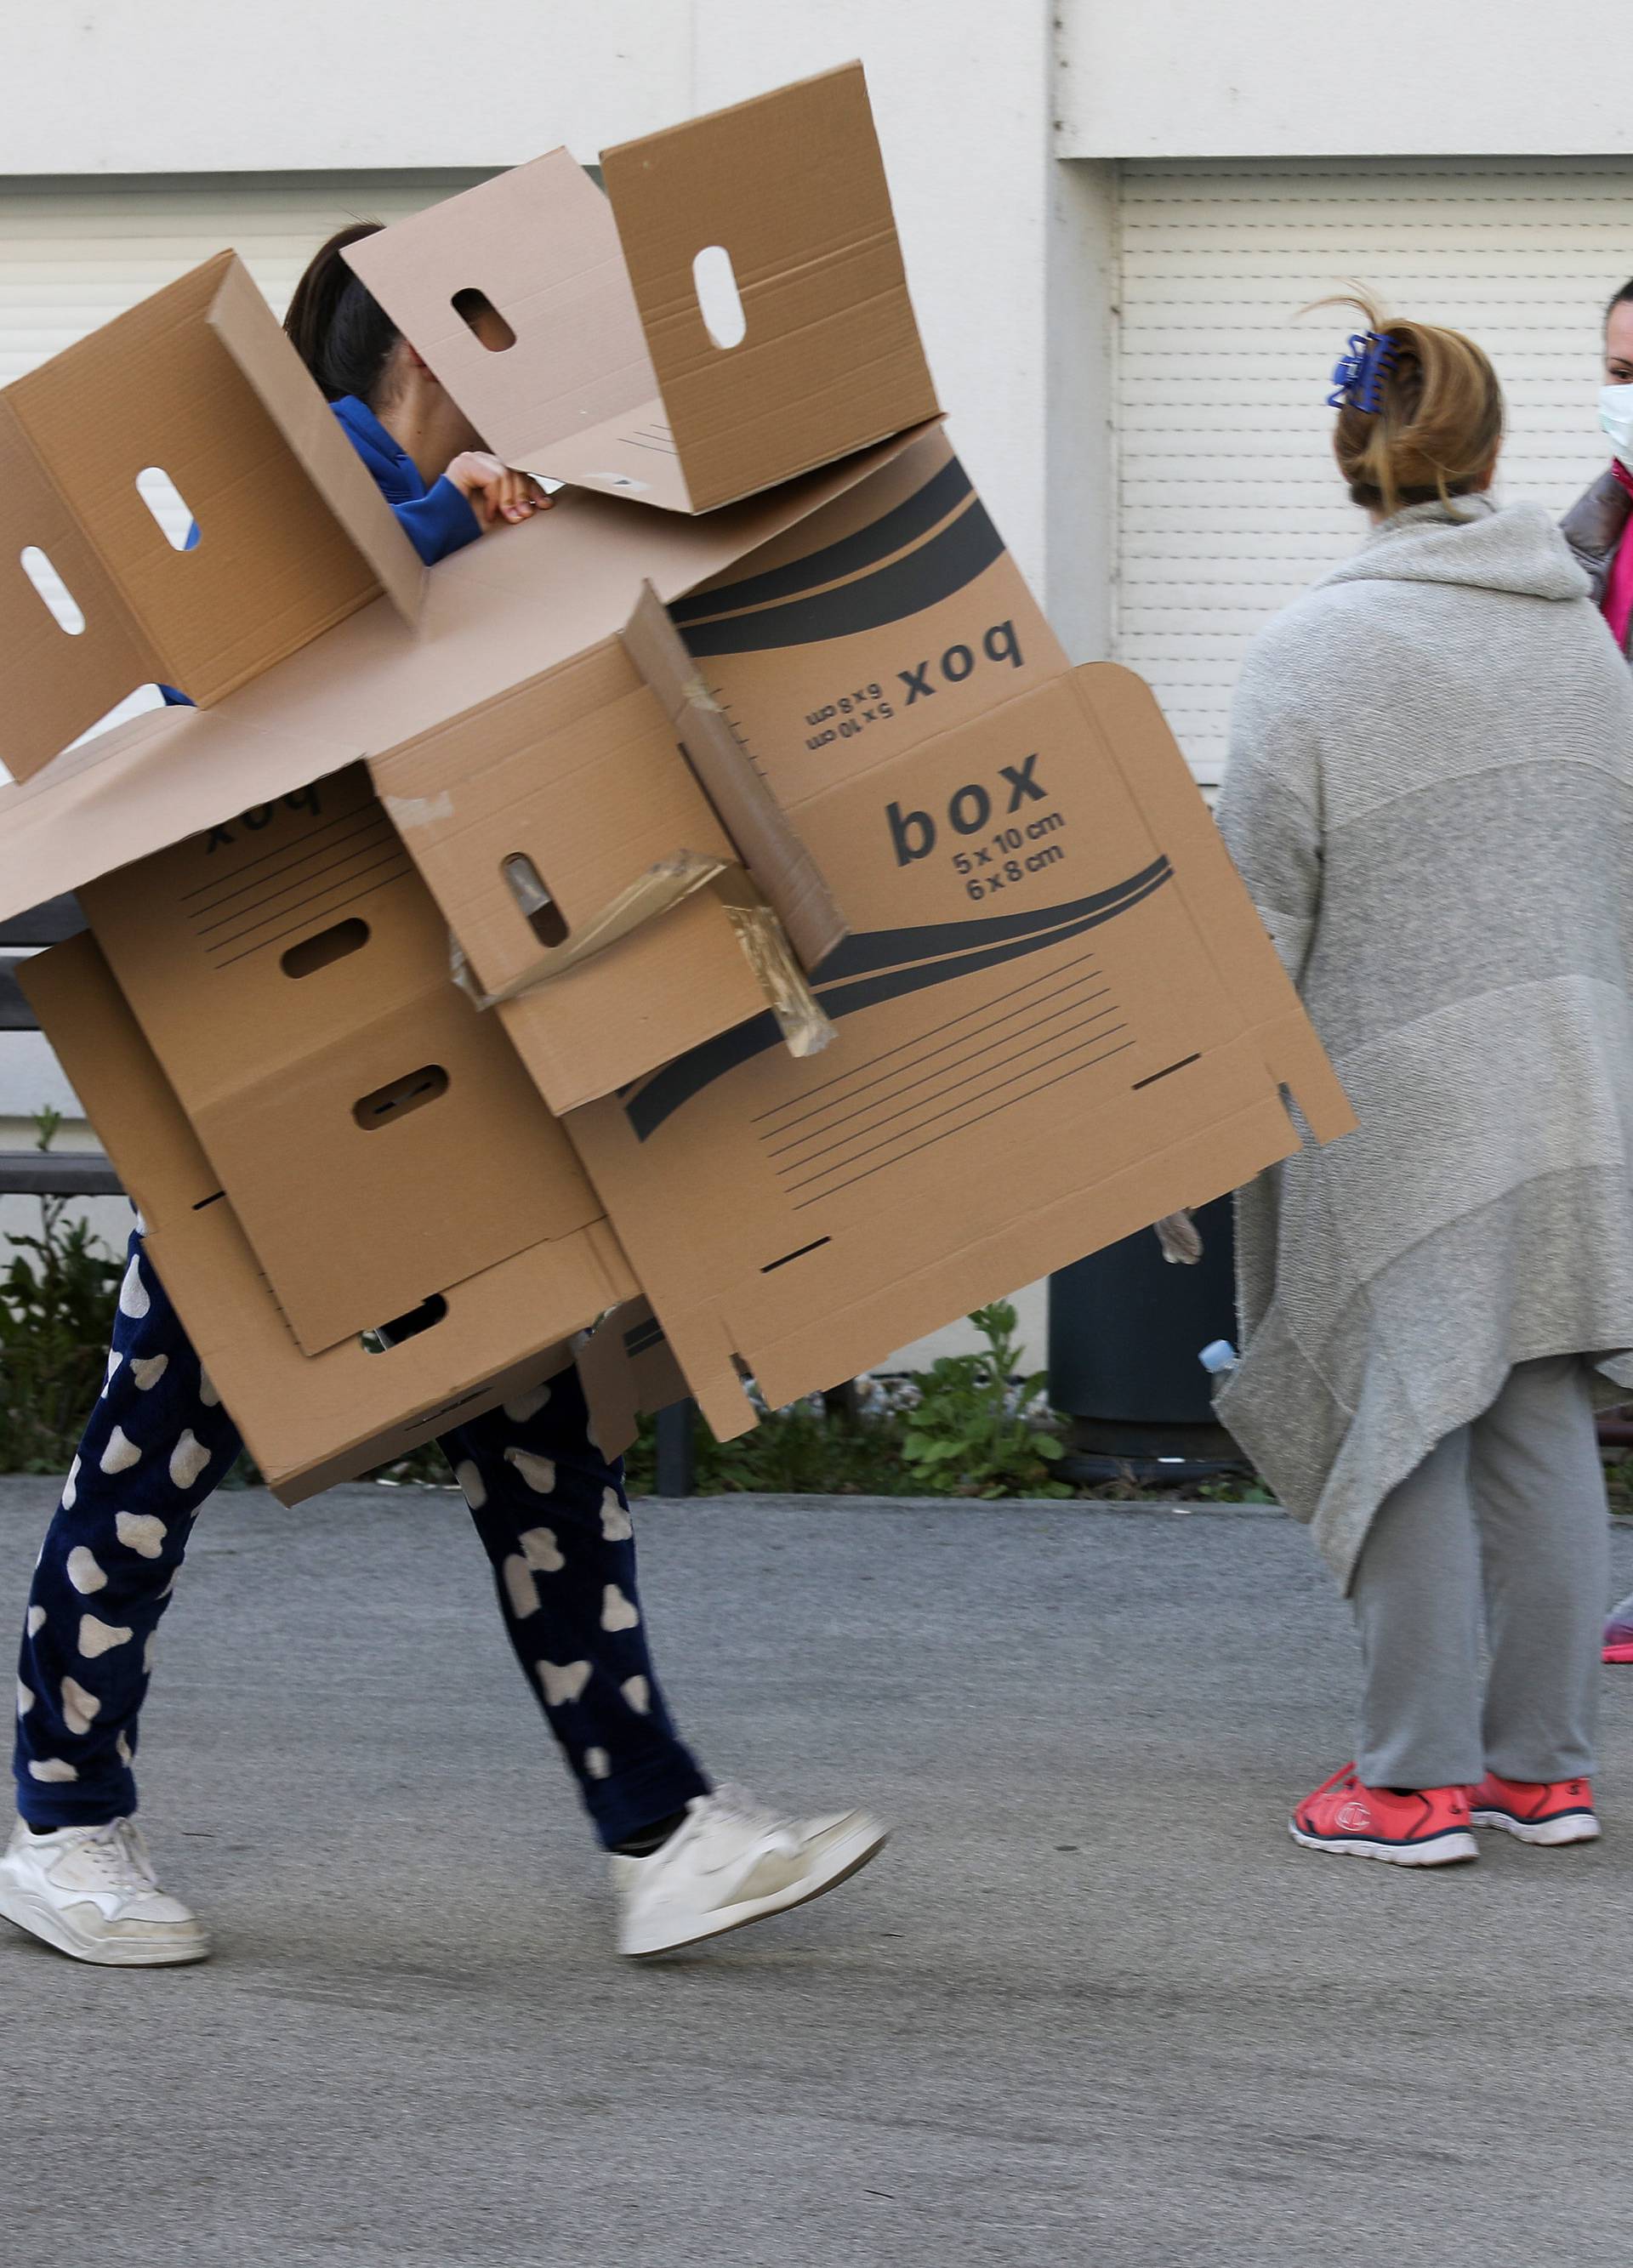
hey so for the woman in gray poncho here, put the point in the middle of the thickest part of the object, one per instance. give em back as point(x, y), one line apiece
point(1430, 794)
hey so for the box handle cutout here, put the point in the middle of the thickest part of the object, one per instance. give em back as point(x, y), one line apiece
point(394, 1101)
point(59, 600)
point(164, 499)
point(483, 319)
point(718, 300)
point(328, 947)
point(419, 1319)
point(544, 916)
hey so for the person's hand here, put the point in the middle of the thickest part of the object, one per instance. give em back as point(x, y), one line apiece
point(493, 491)
point(1180, 1239)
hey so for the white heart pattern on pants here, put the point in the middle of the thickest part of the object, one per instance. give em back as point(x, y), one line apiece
point(540, 1550)
point(470, 1481)
point(597, 1764)
point(52, 1768)
point(69, 1486)
point(618, 1613)
point(207, 1393)
point(133, 1299)
point(615, 1524)
point(121, 1453)
point(113, 1360)
point(148, 1369)
point(538, 1472)
point(141, 1532)
point(124, 1749)
point(25, 1698)
point(526, 1405)
point(637, 1693)
point(563, 1682)
point(36, 1621)
point(98, 1637)
point(82, 1571)
point(188, 1460)
point(520, 1588)
point(79, 1706)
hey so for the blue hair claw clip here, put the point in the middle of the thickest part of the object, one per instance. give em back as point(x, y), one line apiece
point(1358, 376)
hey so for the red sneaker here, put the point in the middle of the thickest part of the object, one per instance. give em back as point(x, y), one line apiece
point(1537, 1811)
point(1429, 1827)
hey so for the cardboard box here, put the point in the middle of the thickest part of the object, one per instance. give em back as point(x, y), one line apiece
point(311, 1421)
point(1057, 1015)
point(374, 1131)
point(292, 534)
point(614, 379)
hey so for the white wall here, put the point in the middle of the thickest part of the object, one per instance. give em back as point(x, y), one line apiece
point(961, 90)
point(1264, 79)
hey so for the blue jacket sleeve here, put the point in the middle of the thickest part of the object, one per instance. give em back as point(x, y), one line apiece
point(440, 521)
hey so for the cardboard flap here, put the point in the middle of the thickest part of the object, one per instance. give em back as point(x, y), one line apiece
point(225, 551)
point(540, 245)
point(54, 681)
point(1134, 736)
point(245, 326)
point(790, 188)
point(781, 865)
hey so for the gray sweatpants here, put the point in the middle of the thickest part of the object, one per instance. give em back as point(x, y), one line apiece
point(1513, 1506)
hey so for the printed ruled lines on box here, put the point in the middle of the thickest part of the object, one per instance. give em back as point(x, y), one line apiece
point(1055, 1026)
point(273, 898)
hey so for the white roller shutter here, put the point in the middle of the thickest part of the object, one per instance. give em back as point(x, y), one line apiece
point(1229, 502)
point(74, 252)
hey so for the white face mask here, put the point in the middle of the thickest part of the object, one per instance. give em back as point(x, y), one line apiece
point(1616, 415)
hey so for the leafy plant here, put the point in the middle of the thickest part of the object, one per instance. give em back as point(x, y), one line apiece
point(973, 1431)
point(56, 1293)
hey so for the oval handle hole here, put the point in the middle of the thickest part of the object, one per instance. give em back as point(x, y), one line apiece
point(419, 1319)
point(719, 299)
point(60, 602)
point(328, 947)
point(399, 1096)
point(544, 916)
point(483, 319)
point(164, 499)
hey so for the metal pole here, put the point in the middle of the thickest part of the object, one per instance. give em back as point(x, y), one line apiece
point(676, 1445)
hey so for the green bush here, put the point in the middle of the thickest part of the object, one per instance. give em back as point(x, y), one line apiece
point(56, 1294)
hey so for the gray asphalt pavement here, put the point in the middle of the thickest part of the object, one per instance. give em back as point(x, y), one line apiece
point(1091, 2007)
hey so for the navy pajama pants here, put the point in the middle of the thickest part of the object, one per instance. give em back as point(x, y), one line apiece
point(548, 1507)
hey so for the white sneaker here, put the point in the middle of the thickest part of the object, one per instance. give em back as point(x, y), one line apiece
point(731, 1863)
point(92, 1892)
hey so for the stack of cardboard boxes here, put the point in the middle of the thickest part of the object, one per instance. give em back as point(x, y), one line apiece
point(713, 916)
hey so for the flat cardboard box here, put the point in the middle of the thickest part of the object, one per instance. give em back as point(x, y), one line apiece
point(312, 1421)
point(1057, 1015)
point(292, 535)
point(517, 604)
point(615, 377)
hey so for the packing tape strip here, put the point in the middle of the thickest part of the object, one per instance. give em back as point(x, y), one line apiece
point(649, 894)
point(804, 1026)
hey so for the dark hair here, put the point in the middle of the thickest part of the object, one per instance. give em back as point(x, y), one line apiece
point(338, 329)
point(1621, 299)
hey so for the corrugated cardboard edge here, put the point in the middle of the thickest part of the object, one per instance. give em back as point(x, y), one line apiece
point(783, 871)
point(247, 327)
point(1124, 714)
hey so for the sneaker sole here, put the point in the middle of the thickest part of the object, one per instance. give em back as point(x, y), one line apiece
point(1545, 1834)
point(846, 1858)
point(1448, 1850)
point(42, 1921)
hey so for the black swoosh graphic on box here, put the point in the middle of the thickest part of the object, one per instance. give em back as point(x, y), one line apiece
point(878, 948)
point(964, 548)
point(893, 532)
point(669, 1089)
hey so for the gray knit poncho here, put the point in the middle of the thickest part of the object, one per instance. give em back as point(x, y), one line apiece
point(1430, 798)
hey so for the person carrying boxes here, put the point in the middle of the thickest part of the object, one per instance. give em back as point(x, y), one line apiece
point(690, 1859)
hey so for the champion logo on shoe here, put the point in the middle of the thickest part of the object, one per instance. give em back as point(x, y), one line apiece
point(1353, 1819)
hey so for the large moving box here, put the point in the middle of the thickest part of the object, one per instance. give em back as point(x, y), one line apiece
point(831, 956)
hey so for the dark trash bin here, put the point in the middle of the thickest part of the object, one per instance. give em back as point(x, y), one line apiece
point(1125, 1328)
